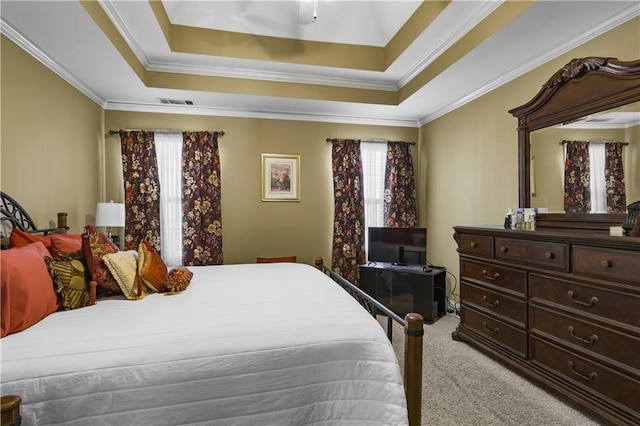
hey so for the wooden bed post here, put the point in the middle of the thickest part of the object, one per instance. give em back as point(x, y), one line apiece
point(413, 332)
point(10, 410)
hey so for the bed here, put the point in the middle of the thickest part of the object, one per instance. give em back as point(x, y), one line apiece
point(277, 343)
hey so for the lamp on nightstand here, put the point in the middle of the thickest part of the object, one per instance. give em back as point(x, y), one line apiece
point(109, 215)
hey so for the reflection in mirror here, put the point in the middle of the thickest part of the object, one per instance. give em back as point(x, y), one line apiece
point(548, 153)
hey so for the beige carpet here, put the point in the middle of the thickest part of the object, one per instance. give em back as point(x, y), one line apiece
point(461, 386)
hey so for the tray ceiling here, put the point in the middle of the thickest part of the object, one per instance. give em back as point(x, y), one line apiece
point(371, 62)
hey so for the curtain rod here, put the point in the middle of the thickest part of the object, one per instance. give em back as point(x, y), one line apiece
point(331, 140)
point(597, 141)
point(115, 132)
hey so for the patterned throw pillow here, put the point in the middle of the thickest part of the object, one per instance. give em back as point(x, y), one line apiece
point(123, 265)
point(179, 279)
point(71, 278)
point(151, 268)
point(95, 245)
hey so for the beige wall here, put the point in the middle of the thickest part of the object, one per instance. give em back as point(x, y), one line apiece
point(49, 142)
point(465, 161)
point(251, 227)
point(468, 157)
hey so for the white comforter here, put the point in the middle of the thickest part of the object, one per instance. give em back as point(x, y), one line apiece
point(268, 344)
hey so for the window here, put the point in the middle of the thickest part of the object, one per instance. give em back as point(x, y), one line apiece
point(374, 156)
point(597, 180)
point(169, 153)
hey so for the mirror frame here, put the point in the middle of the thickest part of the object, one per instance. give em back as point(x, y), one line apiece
point(584, 86)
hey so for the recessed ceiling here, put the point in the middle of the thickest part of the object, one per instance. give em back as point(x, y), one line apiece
point(384, 62)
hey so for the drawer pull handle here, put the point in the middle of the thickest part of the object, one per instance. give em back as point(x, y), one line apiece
point(473, 244)
point(493, 277)
point(494, 331)
point(591, 376)
point(549, 255)
point(503, 249)
point(590, 340)
point(491, 304)
point(590, 303)
point(605, 264)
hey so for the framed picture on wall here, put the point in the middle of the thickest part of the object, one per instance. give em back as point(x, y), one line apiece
point(280, 177)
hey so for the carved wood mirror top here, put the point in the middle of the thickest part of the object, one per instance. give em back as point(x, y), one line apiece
point(582, 87)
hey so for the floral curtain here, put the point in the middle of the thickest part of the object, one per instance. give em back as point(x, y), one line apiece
point(141, 188)
point(614, 178)
point(400, 207)
point(348, 228)
point(201, 200)
point(577, 193)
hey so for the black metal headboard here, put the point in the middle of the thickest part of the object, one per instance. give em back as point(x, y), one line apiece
point(13, 215)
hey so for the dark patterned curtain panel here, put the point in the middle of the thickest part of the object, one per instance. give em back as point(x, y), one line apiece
point(614, 177)
point(201, 200)
point(577, 193)
point(141, 188)
point(348, 226)
point(400, 206)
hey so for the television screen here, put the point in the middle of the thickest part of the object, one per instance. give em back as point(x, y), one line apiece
point(402, 246)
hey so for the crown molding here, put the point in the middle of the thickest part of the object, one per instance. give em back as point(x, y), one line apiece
point(8, 31)
point(536, 61)
point(267, 115)
point(172, 67)
point(125, 33)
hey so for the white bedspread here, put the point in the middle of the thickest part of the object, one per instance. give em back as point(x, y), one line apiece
point(263, 344)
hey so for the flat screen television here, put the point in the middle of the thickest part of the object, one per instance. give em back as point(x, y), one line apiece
point(400, 246)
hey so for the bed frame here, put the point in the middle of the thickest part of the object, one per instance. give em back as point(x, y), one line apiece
point(13, 215)
point(413, 323)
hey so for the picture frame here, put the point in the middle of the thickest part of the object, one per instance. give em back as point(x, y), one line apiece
point(280, 177)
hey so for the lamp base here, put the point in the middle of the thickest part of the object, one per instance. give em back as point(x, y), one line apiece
point(116, 240)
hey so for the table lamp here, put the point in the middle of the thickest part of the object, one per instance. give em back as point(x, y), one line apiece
point(109, 215)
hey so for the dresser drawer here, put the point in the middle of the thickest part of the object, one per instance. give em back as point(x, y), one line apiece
point(607, 303)
point(547, 255)
point(609, 264)
point(475, 245)
point(587, 374)
point(500, 277)
point(508, 337)
point(499, 304)
point(617, 346)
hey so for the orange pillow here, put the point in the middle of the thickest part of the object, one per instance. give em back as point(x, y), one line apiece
point(20, 238)
point(27, 289)
point(65, 244)
point(151, 268)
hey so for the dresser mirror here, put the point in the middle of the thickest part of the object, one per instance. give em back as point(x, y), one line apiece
point(574, 104)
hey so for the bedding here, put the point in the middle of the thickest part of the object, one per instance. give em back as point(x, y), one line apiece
point(261, 344)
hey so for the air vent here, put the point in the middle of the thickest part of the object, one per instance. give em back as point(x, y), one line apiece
point(175, 102)
point(597, 120)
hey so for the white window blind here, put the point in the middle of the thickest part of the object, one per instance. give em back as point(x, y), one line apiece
point(169, 153)
point(597, 182)
point(374, 155)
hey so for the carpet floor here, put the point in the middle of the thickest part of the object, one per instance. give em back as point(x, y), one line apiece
point(462, 386)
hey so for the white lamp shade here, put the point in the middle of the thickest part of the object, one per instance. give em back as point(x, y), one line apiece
point(110, 214)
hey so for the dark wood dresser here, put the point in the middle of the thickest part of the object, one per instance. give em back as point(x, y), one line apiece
point(562, 308)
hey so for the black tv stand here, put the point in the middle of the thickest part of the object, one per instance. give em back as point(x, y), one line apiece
point(406, 288)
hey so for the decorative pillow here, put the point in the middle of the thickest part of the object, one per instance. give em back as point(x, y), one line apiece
point(95, 245)
point(63, 244)
point(19, 238)
point(72, 280)
point(178, 279)
point(27, 294)
point(151, 267)
point(124, 268)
